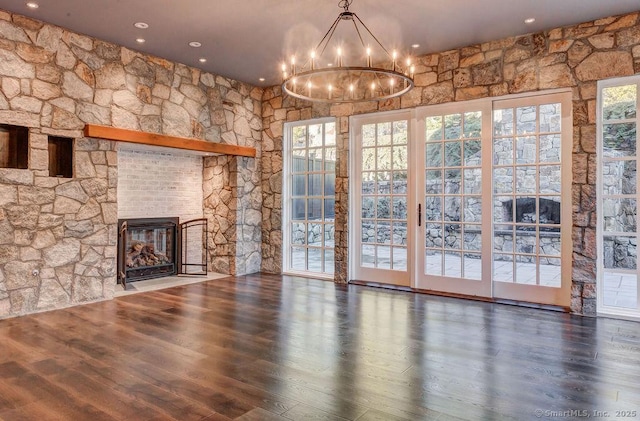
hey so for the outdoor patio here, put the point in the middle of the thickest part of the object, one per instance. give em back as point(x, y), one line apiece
point(619, 290)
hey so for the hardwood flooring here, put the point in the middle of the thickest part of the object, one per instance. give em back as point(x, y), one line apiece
point(267, 347)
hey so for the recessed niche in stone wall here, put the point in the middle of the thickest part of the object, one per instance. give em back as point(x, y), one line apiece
point(14, 146)
point(60, 157)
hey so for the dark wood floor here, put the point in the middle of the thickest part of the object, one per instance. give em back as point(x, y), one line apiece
point(266, 347)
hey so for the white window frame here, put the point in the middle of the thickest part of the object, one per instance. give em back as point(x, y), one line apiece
point(287, 196)
point(602, 309)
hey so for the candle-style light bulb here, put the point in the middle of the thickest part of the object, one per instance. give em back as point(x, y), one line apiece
point(412, 70)
point(368, 56)
point(339, 57)
point(313, 59)
point(330, 88)
point(284, 67)
point(395, 56)
point(293, 65)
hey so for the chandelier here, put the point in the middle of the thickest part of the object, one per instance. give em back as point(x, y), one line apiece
point(338, 82)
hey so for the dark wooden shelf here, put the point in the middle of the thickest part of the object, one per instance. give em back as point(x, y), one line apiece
point(155, 139)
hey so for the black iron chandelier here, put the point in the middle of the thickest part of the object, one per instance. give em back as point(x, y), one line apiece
point(337, 82)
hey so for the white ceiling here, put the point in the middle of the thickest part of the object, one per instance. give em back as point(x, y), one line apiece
point(248, 39)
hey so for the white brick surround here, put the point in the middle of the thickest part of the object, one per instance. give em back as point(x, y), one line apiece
point(156, 183)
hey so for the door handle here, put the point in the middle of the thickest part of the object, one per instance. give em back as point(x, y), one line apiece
point(419, 214)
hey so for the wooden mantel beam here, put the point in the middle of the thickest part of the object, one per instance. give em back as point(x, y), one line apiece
point(144, 138)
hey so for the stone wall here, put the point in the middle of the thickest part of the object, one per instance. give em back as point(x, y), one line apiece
point(232, 203)
point(573, 57)
point(57, 235)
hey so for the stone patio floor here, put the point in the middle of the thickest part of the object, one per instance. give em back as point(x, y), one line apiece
point(619, 290)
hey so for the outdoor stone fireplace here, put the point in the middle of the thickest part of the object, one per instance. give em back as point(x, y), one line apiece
point(547, 211)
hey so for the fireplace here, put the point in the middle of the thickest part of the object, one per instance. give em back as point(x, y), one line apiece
point(156, 247)
point(547, 211)
point(147, 248)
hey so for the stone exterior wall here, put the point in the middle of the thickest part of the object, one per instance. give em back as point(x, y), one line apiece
point(573, 57)
point(58, 235)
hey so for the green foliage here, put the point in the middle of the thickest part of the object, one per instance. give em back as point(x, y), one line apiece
point(619, 103)
point(619, 110)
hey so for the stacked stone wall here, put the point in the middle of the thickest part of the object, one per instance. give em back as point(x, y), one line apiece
point(58, 235)
point(574, 57)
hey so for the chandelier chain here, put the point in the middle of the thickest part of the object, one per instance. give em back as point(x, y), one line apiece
point(329, 34)
point(345, 4)
point(370, 33)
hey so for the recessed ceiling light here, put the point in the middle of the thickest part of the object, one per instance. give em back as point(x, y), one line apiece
point(415, 46)
point(32, 5)
point(141, 25)
point(202, 60)
point(529, 20)
point(140, 40)
point(329, 64)
point(195, 44)
point(261, 79)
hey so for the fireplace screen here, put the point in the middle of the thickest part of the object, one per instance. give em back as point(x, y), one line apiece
point(148, 248)
point(156, 247)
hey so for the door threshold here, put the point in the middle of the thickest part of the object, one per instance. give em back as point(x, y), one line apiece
point(462, 296)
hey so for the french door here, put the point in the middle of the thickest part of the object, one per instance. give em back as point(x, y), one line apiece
point(382, 235)
point(489, 185)
point(454, 197)
point(531, 199)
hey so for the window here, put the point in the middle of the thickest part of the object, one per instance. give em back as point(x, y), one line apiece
point(309, 202)
point(14, 146)
point(618, 197)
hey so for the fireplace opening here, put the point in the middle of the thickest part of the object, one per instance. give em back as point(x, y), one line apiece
point(157, 247)
point(546, 212)
point(147, 248)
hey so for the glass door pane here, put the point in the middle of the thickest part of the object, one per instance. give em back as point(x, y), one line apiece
point(617, 202)
point(453, 200)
